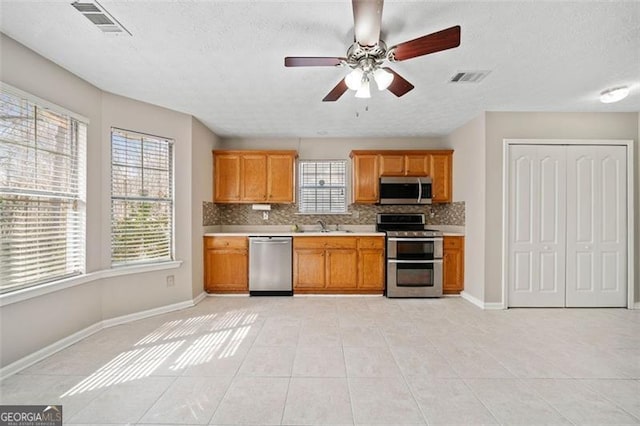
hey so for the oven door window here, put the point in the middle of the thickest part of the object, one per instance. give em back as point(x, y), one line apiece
point(415, 275)
point(415, 250)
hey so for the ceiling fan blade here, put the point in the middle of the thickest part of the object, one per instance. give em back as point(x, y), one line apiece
point(336, 92)
point(310, 61)
point(399, 86)
point(435, 42)
point(367, 15)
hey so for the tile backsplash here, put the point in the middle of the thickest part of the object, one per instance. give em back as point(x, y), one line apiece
point(358, 214)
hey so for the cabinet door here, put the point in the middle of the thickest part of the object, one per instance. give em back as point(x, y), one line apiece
point(392, 165)
point(308, 269)
point(417, 165)
point(440, 172)
point(226, 271)
point(371, 269)
point(226, 178)
point(365, 178)
point(254, 177)
point(342, 272)
point(280, 178)
point(453, 259)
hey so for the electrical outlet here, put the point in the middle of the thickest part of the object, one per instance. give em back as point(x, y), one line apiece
point(170, 281)
point(265, 215)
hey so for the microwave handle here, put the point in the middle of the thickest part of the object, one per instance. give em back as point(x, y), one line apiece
point(419, 190)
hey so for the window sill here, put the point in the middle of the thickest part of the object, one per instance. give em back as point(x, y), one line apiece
point(40, 290)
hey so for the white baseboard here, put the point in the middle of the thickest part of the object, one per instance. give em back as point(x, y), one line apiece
point(494, 306)
point(479, 303)
point(41, 354)
point(146, 314)
point(65, 342)
point(199, 298)
point(471, 299)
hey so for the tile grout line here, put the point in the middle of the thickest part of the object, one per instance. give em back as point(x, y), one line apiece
point(404, 378)
point(464, 381)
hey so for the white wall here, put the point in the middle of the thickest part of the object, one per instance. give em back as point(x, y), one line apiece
point(60, 314)
point(203, 142)
point(126, 294)
point(334, 148)
point(54, 316)
point(468, 143)
point(514, 125)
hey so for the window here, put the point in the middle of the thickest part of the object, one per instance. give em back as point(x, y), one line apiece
point(141, 198)
point(42, 191)
point(323, 186)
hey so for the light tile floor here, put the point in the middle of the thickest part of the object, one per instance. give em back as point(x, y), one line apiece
point(347, 360)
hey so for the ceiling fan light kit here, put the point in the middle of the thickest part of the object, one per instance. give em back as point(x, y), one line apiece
point(614, 95)
point(367, 54)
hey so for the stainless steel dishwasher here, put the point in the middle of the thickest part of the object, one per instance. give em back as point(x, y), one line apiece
point(270, 266)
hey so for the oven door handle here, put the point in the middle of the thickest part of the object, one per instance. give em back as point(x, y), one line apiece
point(414, 261)
point(427, 239)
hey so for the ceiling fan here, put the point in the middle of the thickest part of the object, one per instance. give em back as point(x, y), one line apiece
point(367, 54)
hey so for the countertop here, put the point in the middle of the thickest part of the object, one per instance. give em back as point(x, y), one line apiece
point(312, 231)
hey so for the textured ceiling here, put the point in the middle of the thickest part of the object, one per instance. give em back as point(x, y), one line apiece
point(222, 61)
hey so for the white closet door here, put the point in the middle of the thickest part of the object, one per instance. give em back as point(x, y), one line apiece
point(537, 237)
point(596, 226)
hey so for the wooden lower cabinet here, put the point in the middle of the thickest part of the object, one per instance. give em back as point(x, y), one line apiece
point(453, 270)
point(338, 265)
point(226, 265)
point(308, 268)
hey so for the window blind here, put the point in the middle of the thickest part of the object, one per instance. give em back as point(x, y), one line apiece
point(322, 186)
point(141, 198)
point(42, 193)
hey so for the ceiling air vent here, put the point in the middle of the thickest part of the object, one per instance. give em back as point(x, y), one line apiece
point(102, 19)
point(469, 76)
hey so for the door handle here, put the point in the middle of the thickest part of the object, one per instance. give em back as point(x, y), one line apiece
point(419, 190)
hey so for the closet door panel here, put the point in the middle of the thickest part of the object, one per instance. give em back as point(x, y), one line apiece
point(536, 218)
point(596, 226)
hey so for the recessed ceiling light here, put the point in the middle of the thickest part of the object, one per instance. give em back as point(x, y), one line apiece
point(614, 95)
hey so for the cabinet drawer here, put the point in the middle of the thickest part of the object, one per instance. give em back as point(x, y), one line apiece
point(325, 242)
point(371, 242)
point(226, 242)
point(453, 242)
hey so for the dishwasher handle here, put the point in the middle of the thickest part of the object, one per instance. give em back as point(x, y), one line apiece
point(270, 239)
point(256, 241)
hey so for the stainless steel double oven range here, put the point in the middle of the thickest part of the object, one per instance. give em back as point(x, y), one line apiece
point(414, 256)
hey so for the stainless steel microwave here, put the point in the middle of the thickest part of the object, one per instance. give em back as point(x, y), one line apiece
point(405, 190)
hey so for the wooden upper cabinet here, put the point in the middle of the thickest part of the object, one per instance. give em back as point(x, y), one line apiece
point(280, 178)
point(254, 176)
point(366, 171)
point(226, 178)
point(440, 172)
point(417, 165)
point(365, 178)
point(392, 165)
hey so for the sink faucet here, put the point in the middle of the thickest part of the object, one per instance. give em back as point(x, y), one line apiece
point(323, 226)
